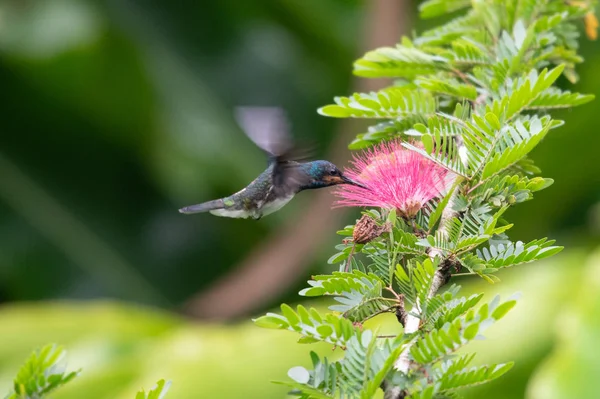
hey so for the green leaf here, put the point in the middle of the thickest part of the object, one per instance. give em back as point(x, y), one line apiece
point(450, 87)
point(439, 209)
point(374, 383)
point(467, 52)
point(555, 98)
point(359, 374)
point(289, 314)
point(392, 217)
point(435, 8)
point(311, 325)
point(465, 233)
point(415, 282)
point(335, 111)
point(384, 131)
point(499, 190)
point(157, 392)
point(471, 331)
point(399, 61)
point(454, 379)
point(456, 308)
point(427, 392)
point(358, 294)
point(42, 373)
point(337, 258)
point(442, 150)
point(508, 255)
point(517, 142)
point(271, 322)
point(389, 103)
point(523, 91)
point(436, 344)
point(503, 309)
point(469, 25)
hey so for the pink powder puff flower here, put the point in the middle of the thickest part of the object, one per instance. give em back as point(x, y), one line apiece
point(396, 178)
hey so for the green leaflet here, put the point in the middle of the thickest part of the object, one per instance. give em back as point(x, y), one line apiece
point(359, 295)
point(157, 392)
point(439, 343)
point(41, 373)
point(389, 103)
point(310, 323)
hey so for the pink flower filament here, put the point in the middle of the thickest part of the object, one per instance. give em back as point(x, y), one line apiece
point(396, 178)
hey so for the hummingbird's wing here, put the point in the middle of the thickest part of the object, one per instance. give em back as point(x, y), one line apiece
point(269, 129)
point(288, 177)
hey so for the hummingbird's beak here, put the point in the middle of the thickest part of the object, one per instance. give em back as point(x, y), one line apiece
point(347, 180)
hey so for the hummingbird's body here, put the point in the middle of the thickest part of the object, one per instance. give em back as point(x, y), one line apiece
point(255, 200)
point(277, 185)
point(264, 195)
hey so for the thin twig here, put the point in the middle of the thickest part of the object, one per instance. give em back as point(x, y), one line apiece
point(461, 75)
point(390, 289)
point(475, 186)
point(349, 260)
point(386, 310)
point(464, 274)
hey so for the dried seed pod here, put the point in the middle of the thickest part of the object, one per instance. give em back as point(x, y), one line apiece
point(366, 230)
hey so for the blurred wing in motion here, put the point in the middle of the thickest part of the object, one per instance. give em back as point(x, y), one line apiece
point(270, 129)
point(267, 127)
point(288, 177)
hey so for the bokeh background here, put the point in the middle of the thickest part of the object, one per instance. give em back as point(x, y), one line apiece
point(114, 114)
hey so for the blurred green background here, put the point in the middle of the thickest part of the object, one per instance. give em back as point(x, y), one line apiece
point(117, 113)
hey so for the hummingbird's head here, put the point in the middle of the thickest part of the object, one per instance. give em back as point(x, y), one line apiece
point(325, 174)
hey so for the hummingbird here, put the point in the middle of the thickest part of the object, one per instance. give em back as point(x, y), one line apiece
point(286, 173)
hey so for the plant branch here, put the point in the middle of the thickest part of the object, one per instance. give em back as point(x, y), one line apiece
point(412, 321)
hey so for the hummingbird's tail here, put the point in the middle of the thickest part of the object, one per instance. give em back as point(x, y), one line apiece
point(203, 207)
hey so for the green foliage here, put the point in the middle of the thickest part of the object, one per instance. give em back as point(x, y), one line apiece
point(472, 96)
point(437, 344)
point(435, 8)
point(359, 295)
point(44, 372)
point(41, 374)
point(495, 257)
point(415, 283)
point(395, 102)
point(456, 375)
point(311, 325)
point(455, 308)
point(366, 364)
point(401, 61)
point(443, 373)
point(157, 392)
